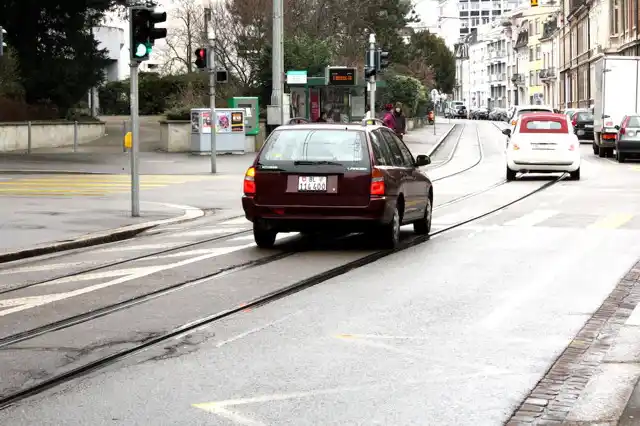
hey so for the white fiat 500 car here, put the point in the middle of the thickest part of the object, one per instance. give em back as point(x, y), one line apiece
point(542, 143)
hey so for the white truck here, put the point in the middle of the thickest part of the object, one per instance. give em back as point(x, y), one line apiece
point(617, 81)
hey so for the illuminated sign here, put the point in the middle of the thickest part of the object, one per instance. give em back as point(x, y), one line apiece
point(341, 76)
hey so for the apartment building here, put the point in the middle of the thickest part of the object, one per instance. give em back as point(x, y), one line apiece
point(550, 58)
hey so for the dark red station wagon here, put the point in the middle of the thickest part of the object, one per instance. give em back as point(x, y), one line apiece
point(336, 178)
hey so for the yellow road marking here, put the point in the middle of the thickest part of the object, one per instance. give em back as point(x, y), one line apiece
point(612, 221)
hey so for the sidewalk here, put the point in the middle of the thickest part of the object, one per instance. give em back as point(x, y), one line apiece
point(47, 198)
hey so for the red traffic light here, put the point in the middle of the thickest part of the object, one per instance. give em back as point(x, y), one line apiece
point(201, 53)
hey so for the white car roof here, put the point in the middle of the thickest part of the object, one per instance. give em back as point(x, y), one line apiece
point(540, 107)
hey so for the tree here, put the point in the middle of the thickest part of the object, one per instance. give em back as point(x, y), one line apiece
point(58, 55)
point(430, 50)
point(184, 37)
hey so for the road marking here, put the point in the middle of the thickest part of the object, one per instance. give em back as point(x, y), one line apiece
point(140, 247)
point(24, 303)
point(95, 276)
point(380, 336)
point(237, 221)
point(533, 218)
point(39, 268)
point(203, 232)
point(255, 330)
point(611, 221)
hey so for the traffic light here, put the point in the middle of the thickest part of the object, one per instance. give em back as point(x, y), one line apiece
point(201, 58)
point(383, 60)
point(144, 32)
point(2, 43)
point(534, 3)
point(222, 76)
point(369, 72)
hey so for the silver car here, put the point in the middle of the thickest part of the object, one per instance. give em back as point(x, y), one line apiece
point(628, 137)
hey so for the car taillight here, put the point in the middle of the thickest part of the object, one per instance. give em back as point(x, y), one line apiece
point(516, 147)
point(574, 122)
point(572, 147)
point(377, 182)
point(249, 186)
point(513, 122)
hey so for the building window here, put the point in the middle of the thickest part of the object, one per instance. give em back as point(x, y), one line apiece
point(538, 53)
point(475, 6)
point(615, 17)
point(475, 22)
point(536, 29)
point(463, 6)
point(485, 20)
point(537, 78)
point(531, 54)
point(531, 28)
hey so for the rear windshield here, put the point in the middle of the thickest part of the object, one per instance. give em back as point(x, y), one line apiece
point(585, 116)
point(544, 126)
point(347, 147)
point(634, 122)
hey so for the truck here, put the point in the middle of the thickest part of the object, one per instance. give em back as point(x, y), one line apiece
point(617, 93)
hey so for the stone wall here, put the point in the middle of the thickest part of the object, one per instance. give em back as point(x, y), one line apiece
point(45, 134)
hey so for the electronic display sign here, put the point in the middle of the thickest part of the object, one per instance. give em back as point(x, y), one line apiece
point(341, 77)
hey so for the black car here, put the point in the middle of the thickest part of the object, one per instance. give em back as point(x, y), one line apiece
point(460, 111)
point(583, 125)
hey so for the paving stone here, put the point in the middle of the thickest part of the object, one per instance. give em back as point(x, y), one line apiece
point(537, 401)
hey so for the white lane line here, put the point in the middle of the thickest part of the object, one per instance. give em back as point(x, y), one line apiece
point(533, 218)
point(95, 276)
point(24, 303)
point(204, 232)
point(255, 330)
point(139, 247)
point(39, 268)
point(236, 221)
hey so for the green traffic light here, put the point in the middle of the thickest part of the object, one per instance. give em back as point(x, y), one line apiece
point(141, 50)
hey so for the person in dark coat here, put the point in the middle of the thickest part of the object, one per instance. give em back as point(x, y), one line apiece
point(400, 121)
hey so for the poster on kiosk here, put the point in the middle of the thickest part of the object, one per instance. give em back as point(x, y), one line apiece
point(229, 125)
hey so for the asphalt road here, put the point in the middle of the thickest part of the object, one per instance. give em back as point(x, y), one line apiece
point(456, 330)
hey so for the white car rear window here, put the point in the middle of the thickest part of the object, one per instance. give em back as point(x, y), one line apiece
point(543, 125)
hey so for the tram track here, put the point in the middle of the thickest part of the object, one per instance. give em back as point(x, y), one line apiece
point(191, 326)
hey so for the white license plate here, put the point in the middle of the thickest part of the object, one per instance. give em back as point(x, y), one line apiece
point(580, 132)
point(312, 183)
point(588, 126)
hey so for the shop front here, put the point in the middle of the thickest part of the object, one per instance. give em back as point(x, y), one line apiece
point(340, 94)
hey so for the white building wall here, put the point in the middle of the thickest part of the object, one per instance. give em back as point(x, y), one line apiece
point(479, 78)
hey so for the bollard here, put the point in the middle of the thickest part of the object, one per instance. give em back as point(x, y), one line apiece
point(75, 136)
point(124, 134)
point(28, 137)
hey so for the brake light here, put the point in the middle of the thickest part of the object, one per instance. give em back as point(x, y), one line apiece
point(249, 186)
point(513, 122)
point(622, 131)
point(623, 127)
point(574, 122)
point(377, 182)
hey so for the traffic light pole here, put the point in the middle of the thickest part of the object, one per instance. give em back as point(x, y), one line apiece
point(372, 79)
point(212, 96)
point(135, 140)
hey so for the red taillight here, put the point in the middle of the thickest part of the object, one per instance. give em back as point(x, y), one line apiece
point(572, 147)
point(377, 182)
point(574, 122)
point(622, 131)
point(249, 186)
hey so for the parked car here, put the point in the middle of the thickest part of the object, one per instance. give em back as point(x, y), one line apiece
point(628, 138)
point(458, 111)
point(582, 122)
point(523, 109)
point(337, 177)
point(481, 113)
point(542, 143)
point(452, 109)
point(498, 114)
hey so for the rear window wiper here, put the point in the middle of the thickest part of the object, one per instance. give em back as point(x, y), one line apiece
point(314, 163)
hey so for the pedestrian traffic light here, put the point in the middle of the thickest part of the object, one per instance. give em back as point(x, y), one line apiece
point(369, 72)
point(2, 43)
point(384, 60)
point(222, 76)
point(201, 58)
point(144, 32)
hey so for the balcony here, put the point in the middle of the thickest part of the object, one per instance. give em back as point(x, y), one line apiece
point(548, 74)
point(523, 39)
point(518, 79)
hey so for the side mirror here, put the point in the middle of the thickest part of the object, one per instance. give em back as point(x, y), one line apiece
point(506, 132)
point(422, 160)
point(617, 127)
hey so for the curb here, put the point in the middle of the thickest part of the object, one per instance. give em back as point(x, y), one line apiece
point(51, 172)
point(102, 237)
point(441, 140)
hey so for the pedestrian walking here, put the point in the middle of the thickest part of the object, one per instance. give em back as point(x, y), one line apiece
point(400, 121)
point(389, 119)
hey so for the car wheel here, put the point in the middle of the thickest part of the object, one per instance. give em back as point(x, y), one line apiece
point(619, 157)
point(391, 231)
point(511, 174)
point(596, 150)
point(264, 238)
point(423, 226)
point(575, 175)
point(602, 152)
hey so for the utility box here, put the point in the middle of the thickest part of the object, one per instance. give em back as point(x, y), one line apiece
point(229, 126)
point(252, 112)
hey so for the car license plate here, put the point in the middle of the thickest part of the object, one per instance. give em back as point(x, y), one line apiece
point(589, 126)
point(312, 183)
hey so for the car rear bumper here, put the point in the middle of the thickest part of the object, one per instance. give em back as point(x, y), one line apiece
point(522, 164)
point(584, 134)
point(628, 147)
point(315, 218)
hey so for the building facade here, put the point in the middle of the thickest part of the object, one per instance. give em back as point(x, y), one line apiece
point(550, 56)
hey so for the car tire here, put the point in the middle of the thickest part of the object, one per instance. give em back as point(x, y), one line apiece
point(391, 231)
point(575, 175)
point(423, 226)
point(602, 152)
point(511, 174)
point(619, 157)
point(596, 150)
point(264, 238)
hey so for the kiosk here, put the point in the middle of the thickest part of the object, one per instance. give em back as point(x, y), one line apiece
point(229, 128)
point(252, 112)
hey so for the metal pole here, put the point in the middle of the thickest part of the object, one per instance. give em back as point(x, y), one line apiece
point(2, 30)
point(75, 136)
point(372, 79)
point(212, 97)
point(135, 131)
point(277, 58)
point(28, 137)
point(124, 134)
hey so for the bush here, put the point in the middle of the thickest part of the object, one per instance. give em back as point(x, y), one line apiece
point(407, 90)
